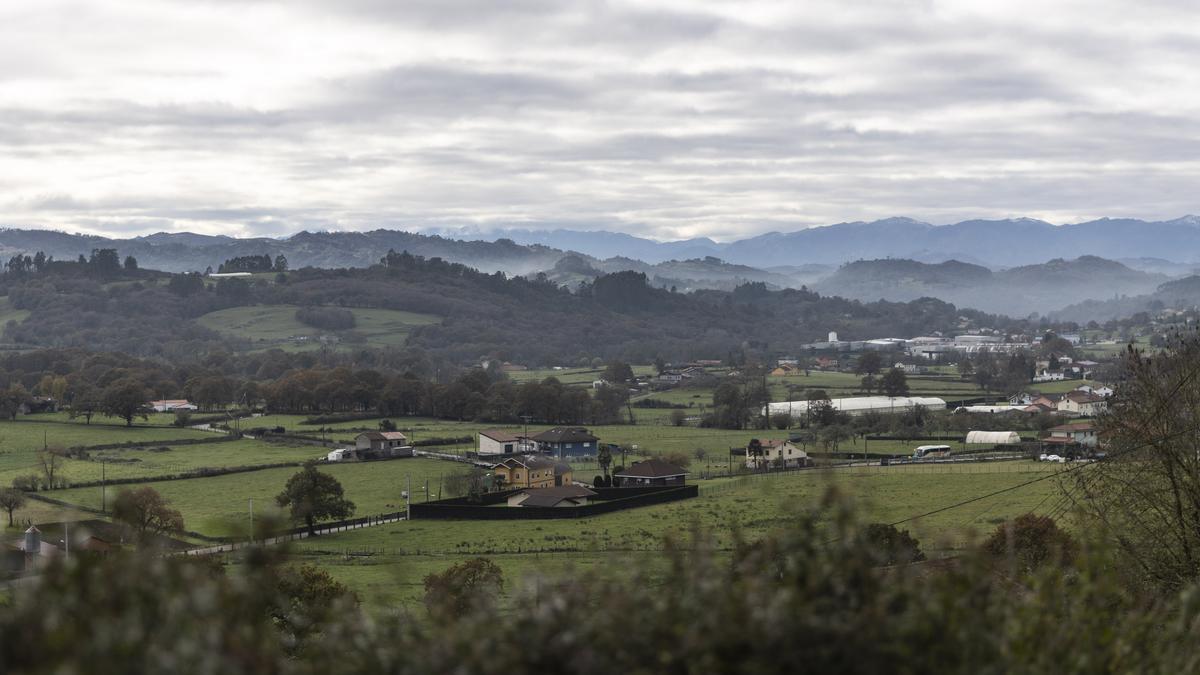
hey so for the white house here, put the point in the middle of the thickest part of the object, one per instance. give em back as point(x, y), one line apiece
point(1047, 375)
point(1102, 390)
point(778, 452)
point(1083, 433)
point(1083, 404)
point(1022, 399)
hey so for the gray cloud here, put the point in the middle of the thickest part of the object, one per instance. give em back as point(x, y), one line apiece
point(669, 120)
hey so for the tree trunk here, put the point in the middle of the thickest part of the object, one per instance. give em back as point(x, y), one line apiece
point(312, 531)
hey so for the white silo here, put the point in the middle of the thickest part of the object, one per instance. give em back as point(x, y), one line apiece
point(33, 541)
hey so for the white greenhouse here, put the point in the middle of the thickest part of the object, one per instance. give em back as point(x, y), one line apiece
point(862, 404)
point(990, 409)
point(993, 437)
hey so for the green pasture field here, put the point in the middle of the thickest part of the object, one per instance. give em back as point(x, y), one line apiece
point(20, 441)
point(64, 417)
point(577, 376)
point(25, 434)
point(149, 462)
point(385, 564)
point(35, 511)
point(274, 325)
point(219, 505)
point(156, 461)
point(414, 427)
point(7, 313)
point(1061, 387)
point(652, 437)
point(839, 385)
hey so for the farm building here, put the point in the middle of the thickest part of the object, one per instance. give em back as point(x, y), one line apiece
point(862, 404)
point(375, 444)
point(991, 409)
point(993, 437)
point(171, 405)
point(498, 442)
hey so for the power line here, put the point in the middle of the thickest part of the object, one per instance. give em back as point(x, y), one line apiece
point(1183, 381)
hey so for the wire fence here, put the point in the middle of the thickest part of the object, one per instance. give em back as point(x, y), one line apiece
point(302, 533)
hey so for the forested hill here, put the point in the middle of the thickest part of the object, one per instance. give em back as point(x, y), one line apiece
point(529, 321)
point(185, 252)
point(1178, 293)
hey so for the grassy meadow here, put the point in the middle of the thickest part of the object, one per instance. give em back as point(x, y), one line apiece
point(275, 325)
point(386, 564)
point(219, 505)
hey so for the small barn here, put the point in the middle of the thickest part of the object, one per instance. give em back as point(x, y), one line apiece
point(380, 444)
point(993, 438)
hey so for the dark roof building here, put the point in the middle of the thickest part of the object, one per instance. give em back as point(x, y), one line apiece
point(567, 442)
point(552, 497)
point(652, 472)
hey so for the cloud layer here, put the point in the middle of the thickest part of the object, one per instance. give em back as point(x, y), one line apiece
point(669, 119)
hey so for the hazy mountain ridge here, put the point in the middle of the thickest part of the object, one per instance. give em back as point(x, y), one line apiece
point(1044, 287)
point(994, 243)
point(1183, 292)
point(185, 251)
point(780, 260)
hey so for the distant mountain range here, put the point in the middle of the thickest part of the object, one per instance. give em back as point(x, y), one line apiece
point(995, 266)
point(994, 243)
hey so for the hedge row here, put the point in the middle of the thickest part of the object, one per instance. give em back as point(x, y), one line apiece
point(128, 445)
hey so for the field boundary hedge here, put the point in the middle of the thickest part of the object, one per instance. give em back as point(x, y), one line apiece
point(607, 500)
point(129, 445)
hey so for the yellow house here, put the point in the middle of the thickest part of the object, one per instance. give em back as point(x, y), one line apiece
point(532, 472)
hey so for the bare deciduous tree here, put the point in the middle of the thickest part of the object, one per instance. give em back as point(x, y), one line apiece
point(1146, 492)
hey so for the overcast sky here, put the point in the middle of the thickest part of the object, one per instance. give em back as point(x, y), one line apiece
point(669, 119)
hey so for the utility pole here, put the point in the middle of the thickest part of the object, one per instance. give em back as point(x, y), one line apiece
point(766, 397)
point(526, 419)
point(407, 497)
